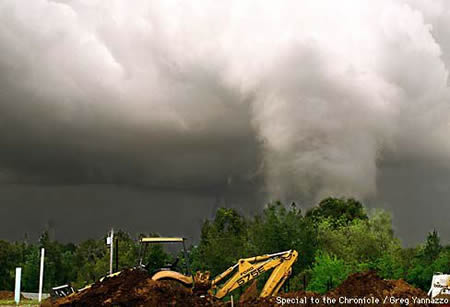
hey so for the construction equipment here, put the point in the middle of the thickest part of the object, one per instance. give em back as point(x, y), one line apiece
point(62, 291)
point(440, 286)
point(167, 272)
point(244, 271)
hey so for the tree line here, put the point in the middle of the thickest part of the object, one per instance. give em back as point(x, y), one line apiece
point(336, 238)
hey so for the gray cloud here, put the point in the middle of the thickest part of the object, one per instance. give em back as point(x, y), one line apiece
point(291, 101)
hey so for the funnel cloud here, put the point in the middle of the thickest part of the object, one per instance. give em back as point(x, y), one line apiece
point(167, 109)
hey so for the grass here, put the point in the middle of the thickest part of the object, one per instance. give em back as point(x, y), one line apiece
point(24, 303)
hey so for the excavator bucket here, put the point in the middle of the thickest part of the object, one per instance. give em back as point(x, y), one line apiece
point(202, 283)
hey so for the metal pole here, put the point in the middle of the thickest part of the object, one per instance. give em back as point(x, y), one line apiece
point(186, 258)
point(117, 254)
point(111, 252)
point(17, 288)
point(41, 274)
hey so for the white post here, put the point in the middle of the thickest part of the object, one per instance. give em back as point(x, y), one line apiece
point(17, 289)
point(232, 302)
point(41, 274)
point(111, 252)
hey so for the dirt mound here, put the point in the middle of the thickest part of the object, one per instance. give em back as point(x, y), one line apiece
point(134, 288)
point(402, 289)
point(363, 286)
point(370, 284)
point(9, 295)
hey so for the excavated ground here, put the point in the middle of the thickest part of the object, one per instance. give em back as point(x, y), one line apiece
point(9, 295)
point(359, 285)
point(135, 288)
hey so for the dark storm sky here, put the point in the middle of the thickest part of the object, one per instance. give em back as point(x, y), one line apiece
point(148, 116)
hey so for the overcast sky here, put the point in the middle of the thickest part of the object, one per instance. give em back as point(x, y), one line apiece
point(148, 115)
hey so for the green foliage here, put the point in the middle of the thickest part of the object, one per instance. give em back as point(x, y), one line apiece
point(337, 211)
point(156, 258)
point(10, 255)
point(30, 274)
point(58, 262)
point(359, 241)
point(280, 229)
point(429, 258)
point(433, 246)
point(222, 242)
point(334, 239)
point(327, 268)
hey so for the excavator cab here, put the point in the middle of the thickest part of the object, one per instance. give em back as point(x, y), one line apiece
point(143, 246)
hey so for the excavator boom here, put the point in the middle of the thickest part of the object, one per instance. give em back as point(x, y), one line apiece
point(251, 268)
point(244, 271)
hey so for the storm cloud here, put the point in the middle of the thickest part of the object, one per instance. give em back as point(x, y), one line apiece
point(293, 100)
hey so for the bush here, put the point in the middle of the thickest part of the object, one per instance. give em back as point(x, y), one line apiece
point(327, 267)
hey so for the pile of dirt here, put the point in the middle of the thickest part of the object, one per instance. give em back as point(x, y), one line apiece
point(134, 287)
point(367, 286)
point(370, 285)
point(9, 295)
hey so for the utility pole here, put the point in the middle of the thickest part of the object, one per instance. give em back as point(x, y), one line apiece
point(117, 255)
point(111, 246)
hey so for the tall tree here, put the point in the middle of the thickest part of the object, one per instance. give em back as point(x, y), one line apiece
point(222, 241)
point(338, 211)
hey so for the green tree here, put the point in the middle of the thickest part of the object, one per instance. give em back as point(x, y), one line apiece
point(90, 261)
point(393, 264)
point(11, 256)
point(280, 229)
point(337, 211)
point(430, 258)
point(58, 262)
point(30, 275)
point(360, 241)
point(327, 268)
point(222, 242)
point(442, 262)
point(155, 257)
point(433, 246)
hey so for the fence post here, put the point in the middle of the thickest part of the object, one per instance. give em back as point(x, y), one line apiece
point(17, 288)
point(41, 274)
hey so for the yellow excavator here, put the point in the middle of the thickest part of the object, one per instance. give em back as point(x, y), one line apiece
point(244, 271)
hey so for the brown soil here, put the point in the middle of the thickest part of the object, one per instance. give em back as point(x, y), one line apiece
point(135, 288)
point(8, 295)
point(369, 284)
point(359, 285)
